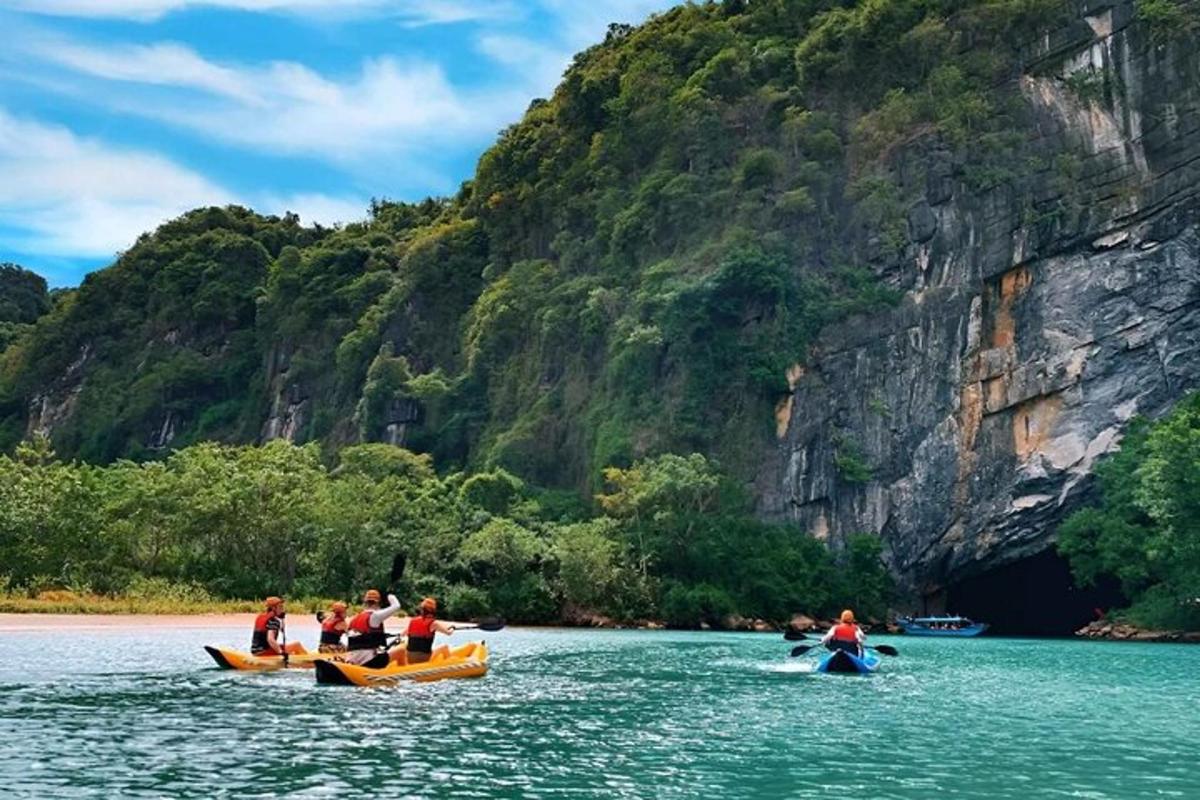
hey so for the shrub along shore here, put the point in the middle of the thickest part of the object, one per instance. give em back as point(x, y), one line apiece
point(670, 539)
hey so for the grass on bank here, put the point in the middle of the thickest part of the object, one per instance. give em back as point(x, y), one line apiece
point(145, 596)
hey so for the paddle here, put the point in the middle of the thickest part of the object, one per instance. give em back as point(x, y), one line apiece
point(490, 624)
point(882, 649)
point(283, 635)
point(398, 565)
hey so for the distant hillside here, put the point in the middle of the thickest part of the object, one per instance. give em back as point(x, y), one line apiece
point(642, 264)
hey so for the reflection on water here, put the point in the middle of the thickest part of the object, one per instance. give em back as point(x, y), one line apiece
point(137, 713)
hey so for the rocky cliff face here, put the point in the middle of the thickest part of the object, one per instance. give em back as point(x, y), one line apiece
point(1039, 317)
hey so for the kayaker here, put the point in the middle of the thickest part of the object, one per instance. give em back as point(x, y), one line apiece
point(333, 628)
point(365, 634)
point(846, 635)
point(268, 631)
point(421, 631)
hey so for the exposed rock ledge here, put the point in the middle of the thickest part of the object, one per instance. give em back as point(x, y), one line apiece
point(1120, 631)
point(1028, 337)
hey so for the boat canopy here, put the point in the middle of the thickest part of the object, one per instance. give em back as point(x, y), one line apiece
point(939, 620)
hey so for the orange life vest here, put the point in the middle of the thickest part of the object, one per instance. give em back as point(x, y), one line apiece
point(329, 630)
point(420, 634)
point(367, 636)
point(845, 632)
point(259, 643)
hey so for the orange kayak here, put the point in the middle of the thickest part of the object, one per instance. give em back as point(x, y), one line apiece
point(466, 661)
point(227, 658)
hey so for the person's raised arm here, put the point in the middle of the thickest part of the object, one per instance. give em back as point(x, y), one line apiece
point(393, 607)
point(828, 636)
point(443, 627)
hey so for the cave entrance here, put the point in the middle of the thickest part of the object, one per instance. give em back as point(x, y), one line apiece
point(1035, 596)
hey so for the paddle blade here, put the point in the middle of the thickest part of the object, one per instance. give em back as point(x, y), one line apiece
point(491, 624)
point(886, 649)
point(320, 616)
point(398, 565)
point(801, 650)
point(794, 636)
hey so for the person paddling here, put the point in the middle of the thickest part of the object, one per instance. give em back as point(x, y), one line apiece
point(421, 631)
point(333, 627)
point(366, 636)
point(268, 631)
point(845, 635)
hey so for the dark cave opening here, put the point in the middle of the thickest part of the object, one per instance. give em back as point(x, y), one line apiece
point(1035, 596)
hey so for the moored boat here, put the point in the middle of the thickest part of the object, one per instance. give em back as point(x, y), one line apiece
point(466, 661)
point(844, 661)
point(941, 626)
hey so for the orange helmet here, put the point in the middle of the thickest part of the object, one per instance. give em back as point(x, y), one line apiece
point(848, 616)
point(339, 607)
point(429, 604)
point(273, 601)
point(372, 596)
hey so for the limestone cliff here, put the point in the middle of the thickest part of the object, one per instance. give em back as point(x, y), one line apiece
point(1038, 318)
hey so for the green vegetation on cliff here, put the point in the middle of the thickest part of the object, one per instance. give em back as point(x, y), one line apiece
point(631, 271)
point(1146, 530)
point(674, 540)
point(23, 298)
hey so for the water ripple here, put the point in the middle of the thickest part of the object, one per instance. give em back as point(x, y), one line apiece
point(604, 714)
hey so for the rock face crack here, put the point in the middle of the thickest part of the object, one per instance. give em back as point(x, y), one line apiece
point(1020, 351)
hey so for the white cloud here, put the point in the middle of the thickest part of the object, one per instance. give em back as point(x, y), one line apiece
point(71, 195)
point(284, 107)
point(164, 64)
point(67, 195)
point(540, 64)
point(409, 12)
point(388, 123)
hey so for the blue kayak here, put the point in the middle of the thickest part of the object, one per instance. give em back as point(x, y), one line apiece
point(842, 661)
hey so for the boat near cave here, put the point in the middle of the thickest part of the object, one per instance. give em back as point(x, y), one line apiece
point(941, 626)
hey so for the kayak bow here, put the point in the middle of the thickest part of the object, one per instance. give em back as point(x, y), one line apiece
point(227, 658)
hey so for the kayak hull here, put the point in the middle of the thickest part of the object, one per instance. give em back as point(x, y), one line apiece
point(228, 658)
point(466, 661)
point(842, 662)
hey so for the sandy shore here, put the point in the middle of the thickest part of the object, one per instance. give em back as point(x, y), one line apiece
point(49, 622)
point(297, 623)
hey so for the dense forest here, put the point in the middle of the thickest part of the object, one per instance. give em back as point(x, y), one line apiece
point(673, 541)
point(631, 273)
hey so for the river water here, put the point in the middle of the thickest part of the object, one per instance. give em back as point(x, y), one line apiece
point(139, 712)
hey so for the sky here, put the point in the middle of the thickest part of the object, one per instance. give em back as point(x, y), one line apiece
point(117, 115)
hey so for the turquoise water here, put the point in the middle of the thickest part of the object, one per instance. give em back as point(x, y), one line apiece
point(134, 713)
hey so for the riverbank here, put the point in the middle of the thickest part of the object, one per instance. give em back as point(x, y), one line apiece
point(1122, 631)
point(72, 603)
point(297, 624)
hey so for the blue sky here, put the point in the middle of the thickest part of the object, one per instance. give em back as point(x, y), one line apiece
point(116, 115)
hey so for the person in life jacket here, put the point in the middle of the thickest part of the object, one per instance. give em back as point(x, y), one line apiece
point(333, 628)
point(268, 636)
point(845, 635)
point(366, 640)
point(421, 630)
